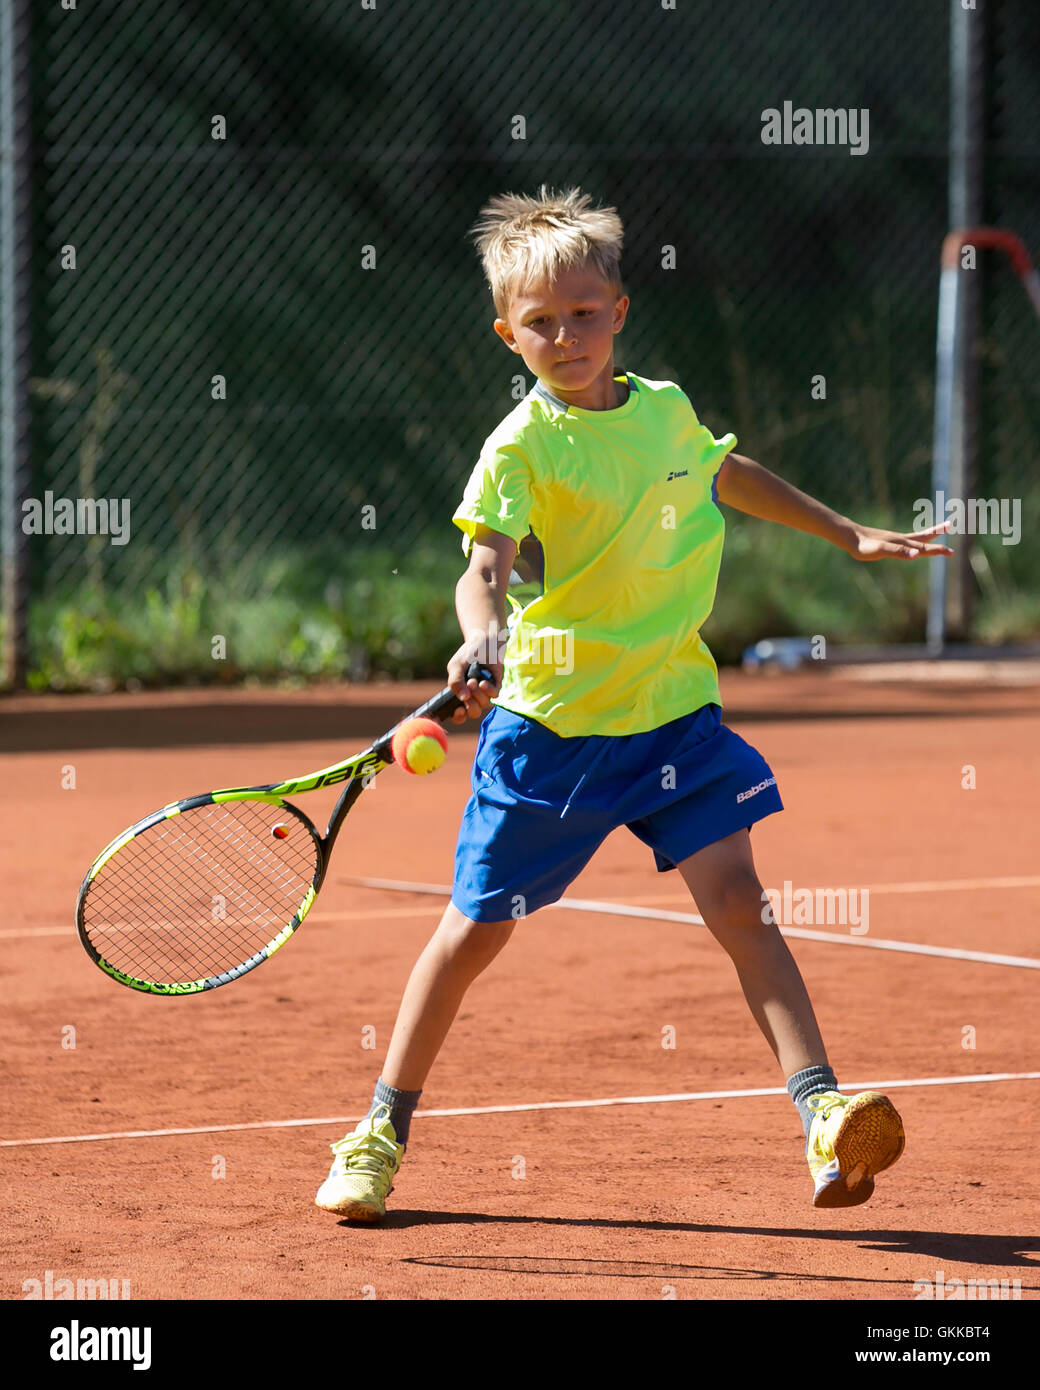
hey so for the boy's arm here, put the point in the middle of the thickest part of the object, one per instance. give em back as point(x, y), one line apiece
point(480, 602)
point(748, 487)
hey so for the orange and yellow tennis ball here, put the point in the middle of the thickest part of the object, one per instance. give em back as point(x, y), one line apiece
point(419, 746)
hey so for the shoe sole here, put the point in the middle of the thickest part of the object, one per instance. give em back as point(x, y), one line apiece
point(836, 1194)
point(354, 1211)
point(869, 1140)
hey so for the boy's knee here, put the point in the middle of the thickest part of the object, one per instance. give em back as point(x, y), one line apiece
point(741, 901)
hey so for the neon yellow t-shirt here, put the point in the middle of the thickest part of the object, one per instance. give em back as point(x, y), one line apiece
point(618, 508)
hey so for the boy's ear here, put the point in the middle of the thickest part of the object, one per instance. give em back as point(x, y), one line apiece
point(503, 330)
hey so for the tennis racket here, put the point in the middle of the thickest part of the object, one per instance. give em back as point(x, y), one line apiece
point(204, 890)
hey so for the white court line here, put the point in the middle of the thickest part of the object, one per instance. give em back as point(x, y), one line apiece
point(943, 885)
point(312, 917)
point(38, 931)
point(517, 1109)
point(958, 885)
point(797, 933)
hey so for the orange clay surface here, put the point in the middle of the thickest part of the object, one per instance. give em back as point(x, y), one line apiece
point(708, 1197)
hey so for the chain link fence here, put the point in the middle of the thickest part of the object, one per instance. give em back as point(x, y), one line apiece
point(257, 314)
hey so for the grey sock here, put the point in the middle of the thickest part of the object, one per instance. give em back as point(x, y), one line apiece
point(804, 1084)
point(401, 1103)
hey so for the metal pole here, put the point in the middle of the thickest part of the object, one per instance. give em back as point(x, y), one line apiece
point(945, 341)
point(967, 154)
point(15, 266)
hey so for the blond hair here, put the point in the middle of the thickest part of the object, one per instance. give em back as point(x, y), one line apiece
point(522, 240)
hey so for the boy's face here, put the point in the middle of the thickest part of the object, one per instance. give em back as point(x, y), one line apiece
point(564, 331)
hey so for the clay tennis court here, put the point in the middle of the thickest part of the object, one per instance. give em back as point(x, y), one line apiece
point(218, 1110)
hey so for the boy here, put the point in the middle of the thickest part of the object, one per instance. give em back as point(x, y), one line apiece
point(609, 485)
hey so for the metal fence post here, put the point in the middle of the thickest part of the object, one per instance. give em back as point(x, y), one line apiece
point(15, 261)
point(966, 194)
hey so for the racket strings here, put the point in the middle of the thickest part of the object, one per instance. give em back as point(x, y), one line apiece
point(185, 906)
point(203, 875)
point(201, 892)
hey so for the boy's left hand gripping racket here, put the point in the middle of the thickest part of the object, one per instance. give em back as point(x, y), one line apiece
point(206, 889)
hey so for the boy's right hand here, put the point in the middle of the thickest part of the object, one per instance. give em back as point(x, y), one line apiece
point(476, 696)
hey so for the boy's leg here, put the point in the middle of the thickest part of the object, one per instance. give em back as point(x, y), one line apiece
point(367, 1160)
point(848, 1140)
point(452, 959)
point(726, 888)
point(523, 838)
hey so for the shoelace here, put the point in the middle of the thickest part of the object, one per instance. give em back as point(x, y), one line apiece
point(823, 1105)
point(373, 1158)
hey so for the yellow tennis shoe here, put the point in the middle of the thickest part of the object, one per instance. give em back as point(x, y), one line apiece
point(851, 1139)
point(363, 1170)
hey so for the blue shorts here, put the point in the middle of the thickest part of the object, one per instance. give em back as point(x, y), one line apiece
point(542, 805)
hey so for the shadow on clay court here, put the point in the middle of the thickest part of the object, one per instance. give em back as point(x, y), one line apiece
point(627, 1269)
point(647, 1269)
point(963, 1247)
point(194, 725)
point(198, 723)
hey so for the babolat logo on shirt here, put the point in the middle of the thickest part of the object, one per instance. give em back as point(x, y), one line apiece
point(753, 791)
point(672, 476)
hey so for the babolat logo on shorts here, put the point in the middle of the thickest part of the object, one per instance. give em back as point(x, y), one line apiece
point(753, 791)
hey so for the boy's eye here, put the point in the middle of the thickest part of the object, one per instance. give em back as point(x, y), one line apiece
point(543, 318)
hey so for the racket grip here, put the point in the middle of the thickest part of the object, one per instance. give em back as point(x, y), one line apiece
point(441, 707)
point(444, 705)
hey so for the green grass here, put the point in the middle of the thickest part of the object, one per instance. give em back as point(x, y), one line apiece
point(779, 583)
point(283, 619)
point(268, 619)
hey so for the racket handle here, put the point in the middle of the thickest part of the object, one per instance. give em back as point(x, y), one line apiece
point(444, 705)
point(446, 702)
point(441, 707)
